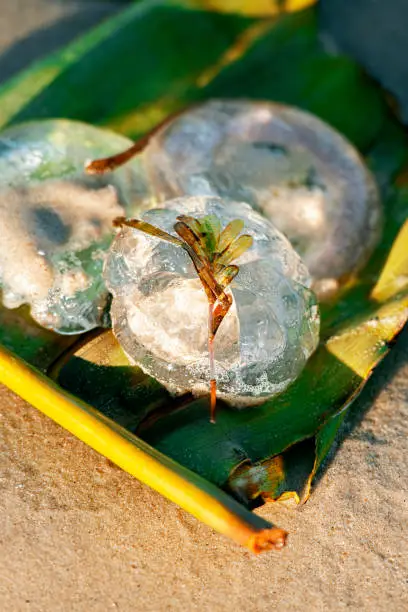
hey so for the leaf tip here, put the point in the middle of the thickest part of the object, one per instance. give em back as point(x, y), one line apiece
point(268, 539)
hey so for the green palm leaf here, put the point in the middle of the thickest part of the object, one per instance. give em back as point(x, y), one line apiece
point(261, 453)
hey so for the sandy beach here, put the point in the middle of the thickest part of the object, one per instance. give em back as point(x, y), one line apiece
point(77, 534)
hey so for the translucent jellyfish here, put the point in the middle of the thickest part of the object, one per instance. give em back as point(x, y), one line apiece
point(289, 165)
point(159, 309)
point(57, 222)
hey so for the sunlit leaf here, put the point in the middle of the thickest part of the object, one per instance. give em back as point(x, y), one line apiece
point(170, 55)
point(210, 230)
point(254, 7)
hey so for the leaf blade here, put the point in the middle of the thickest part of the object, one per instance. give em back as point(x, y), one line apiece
point(235, 250)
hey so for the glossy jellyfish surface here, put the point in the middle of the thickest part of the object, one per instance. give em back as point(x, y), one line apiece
point(160, 311)
point(288, 164)
point(57, 222)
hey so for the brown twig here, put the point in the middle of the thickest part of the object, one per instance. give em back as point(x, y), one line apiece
point(211, 252)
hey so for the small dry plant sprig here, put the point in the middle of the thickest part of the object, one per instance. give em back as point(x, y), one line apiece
point(212, 252)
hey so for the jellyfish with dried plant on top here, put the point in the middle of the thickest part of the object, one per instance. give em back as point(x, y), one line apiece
point(262, 322)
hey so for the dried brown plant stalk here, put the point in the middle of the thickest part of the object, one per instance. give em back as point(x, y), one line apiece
point(211, 250)
point(108, 164)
